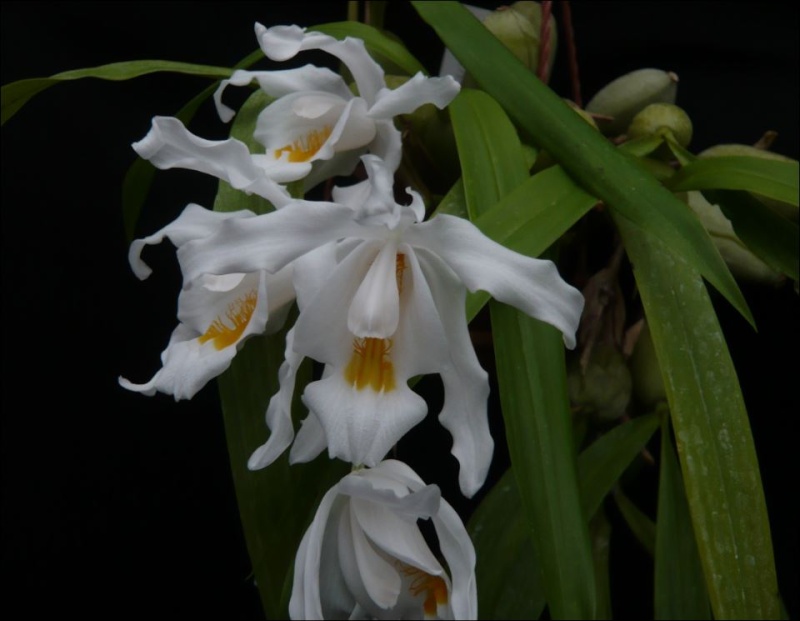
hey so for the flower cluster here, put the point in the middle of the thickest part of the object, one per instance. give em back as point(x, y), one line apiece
point(381, 295)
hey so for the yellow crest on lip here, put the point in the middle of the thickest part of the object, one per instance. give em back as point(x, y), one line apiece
point(305, 147)
point(369, 365)
point(238, 314)
point(434, 587)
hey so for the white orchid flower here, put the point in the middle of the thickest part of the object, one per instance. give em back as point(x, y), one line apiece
point(217, 313)
point(364, 557)
point(315, 129)
point(381, 300)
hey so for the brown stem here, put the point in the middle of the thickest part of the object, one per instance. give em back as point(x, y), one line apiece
point(545, 41)
point(572, 53)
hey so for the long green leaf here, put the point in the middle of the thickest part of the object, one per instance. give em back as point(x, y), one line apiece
point(388, 52)
point(508, 572)
point(717, 455)
point(532, 377)
point(642, 527)
point(15, 95)
point(602, 463)
point(588, 157)
point(509, 584)
point(680, 587)
point(772, 178)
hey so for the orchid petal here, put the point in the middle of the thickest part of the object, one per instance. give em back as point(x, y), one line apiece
point(531, 285)
point(169, 144)
point(305, 600)
point(375, 309)
point(381, 580)
point(192, 356)
point(416, 92)
point(361, 426)
point(279, 411)
point(193, 223)
point(280, 83)
point(285, 42)
point(310, 441)
point(393, 494)
point(394, 535)
point(322, 332)
point(387, 144)
point(269, 242)
point(459, 553)
point(466, 384)
point(420, 345)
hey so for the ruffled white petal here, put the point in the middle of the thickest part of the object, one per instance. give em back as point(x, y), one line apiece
point(270, 241)
point(194, 222)
point(284, 42)
point(361, 426)
point(280, 83)
point(169, 144)
point(531, 285)
point(459, 553)
point(279, 411)
point(189, 362)
point(466, 384)
point(417, 92)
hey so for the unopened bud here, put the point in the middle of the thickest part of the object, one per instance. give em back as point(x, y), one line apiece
point(662, 118)
point(623, 98)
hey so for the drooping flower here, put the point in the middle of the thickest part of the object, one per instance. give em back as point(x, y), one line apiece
point(381, 300)
point(217, 313)
point(364, 556)
point(316, 127)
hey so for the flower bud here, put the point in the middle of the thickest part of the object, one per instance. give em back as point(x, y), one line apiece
point(518, 26)
point(659, 118)
point(741, 261)
point(623, 98)
point(604, 388)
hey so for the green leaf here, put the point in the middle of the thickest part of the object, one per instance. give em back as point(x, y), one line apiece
point(532, 377)
point(15, 95)
point(602, 463)
point(508, 572)
point(680, 588)
point(600, 534)
point(598, 167)
point(773, 239)
point(718, 459)
point(772, 178)
point(388, 52)
point(642, 527)
point(642, 146)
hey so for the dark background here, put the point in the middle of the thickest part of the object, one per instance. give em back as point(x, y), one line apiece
point(114, 504)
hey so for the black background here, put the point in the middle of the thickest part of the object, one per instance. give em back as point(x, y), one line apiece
point(114, 504)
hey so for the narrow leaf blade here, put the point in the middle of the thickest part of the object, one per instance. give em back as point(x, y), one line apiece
point(15, 95)
point(588, 157)
point(717, 455)
point(772, 178)
point(680, 587)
